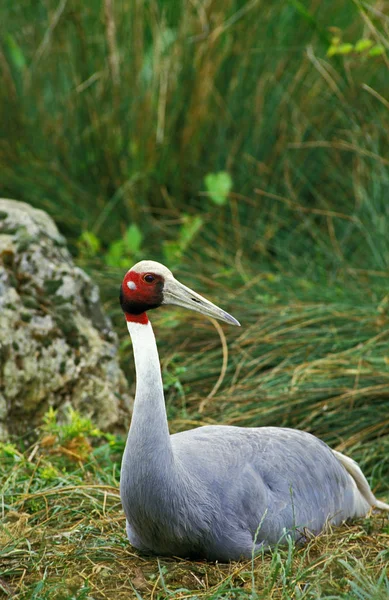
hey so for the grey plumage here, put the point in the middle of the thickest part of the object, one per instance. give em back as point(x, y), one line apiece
point(218, 491)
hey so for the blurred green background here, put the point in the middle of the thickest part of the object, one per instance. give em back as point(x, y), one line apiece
point(245, 145)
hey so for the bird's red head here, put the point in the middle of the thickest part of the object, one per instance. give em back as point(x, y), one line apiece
point(141, 290)
point(149, 284)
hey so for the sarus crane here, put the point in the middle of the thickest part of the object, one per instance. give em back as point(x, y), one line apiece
point(219, 492)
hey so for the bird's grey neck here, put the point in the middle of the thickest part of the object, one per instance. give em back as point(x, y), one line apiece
point(149, 433)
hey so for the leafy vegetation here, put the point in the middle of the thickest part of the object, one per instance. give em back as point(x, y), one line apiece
point(246, 146)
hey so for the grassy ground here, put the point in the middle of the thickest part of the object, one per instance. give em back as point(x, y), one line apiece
point(116, 115)
point(62, 536)
point(307, 356)
point(318, 365)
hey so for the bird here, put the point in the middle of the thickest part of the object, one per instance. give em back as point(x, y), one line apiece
point(219, 492)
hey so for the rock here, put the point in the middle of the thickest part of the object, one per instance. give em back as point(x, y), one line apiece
point(57, 346)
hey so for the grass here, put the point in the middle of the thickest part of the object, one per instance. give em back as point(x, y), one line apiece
point(62, 536)
point(150, 98)
point(319, 365)
point(308, 356)
point(116, 115)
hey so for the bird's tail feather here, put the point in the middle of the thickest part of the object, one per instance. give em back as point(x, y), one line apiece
point(355, 471)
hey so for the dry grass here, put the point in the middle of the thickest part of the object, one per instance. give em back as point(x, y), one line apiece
point(68, 541)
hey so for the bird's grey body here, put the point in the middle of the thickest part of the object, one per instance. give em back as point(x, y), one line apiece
point(221, 492)
point(228, 489)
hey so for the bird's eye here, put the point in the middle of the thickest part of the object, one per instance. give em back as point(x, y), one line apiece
point(148, 278)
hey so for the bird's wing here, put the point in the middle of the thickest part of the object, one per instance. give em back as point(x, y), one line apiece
point(291, 475)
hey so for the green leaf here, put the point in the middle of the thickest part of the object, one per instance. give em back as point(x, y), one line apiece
point(15, 52)
point(218, 186)
point(120, 252)
point(172, 252)
point(89, 243)
point(133, 239)
point(190, 227)
point(168, 37)
point(345, 48)
point(115, 254)
point(362, 45)
point(332, 50)
point(377, 50)
point(9, 449)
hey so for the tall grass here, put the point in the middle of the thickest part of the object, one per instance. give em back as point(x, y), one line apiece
point(117, 111)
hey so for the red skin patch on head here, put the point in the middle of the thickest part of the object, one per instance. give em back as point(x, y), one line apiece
point(142, 318)
point(140, 296)
point(143, 292)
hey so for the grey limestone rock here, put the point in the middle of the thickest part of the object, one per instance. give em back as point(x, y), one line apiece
point(57, 346)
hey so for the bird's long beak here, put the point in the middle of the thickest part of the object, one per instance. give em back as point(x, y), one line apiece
point(176, 293)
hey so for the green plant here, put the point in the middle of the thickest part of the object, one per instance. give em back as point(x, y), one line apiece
point(73, 425)
point(218, 186)
point(364, 47)
point(174, 250)
point(89, 244)
point(122, 252)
